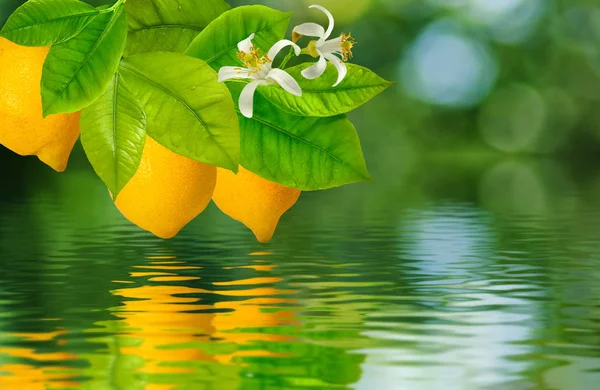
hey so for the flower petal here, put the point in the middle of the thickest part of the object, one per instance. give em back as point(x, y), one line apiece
point(286, 81)
point(310, 30)
point(329, 16)
point(280, 46)
point(233, 72)
point(340, 66)
point(332, 46)
point(246, 45)
point(247, 98)
point(316, 70)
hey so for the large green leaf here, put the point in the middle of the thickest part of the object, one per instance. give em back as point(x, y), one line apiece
point(188, 111)
point(78, 71)
point(113, 134)
point(47, 22)
point(320, 98)
point(168, 25)
point(307, 153)
point(217, 44)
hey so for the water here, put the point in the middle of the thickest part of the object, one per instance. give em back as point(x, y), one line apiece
point(450, 276)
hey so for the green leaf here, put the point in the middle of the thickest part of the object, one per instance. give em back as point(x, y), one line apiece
point(307, 153)
point(217, 44)
point(320, 98)
point(168, 25)
point(78, 71)
point(113, 134)
point(47, 22)
point(188, 111)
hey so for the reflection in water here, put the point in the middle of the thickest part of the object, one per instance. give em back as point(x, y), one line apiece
point(172, 322)
point(478, 288)
point(167, 334)
point(472, 308)
point(44, 371)
point(171, 334)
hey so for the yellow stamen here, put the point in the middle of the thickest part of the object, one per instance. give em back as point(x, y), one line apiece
point(253, 60)
point(347, 44)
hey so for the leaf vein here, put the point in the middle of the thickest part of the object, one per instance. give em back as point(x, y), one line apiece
point(89, 13)
point(166, 26)
point(317, 147)
point(108, 27)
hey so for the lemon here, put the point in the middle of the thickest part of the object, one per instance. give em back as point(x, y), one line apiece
point(254, 201)
point(23, 129)
point(167, 191)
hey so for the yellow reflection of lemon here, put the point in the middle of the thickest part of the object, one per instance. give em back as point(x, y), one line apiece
point(31, 376)
point(247, 320)
point(164, 317)
point(168, 335)
point(176, 333)
point(168, 322)
point(23, 129)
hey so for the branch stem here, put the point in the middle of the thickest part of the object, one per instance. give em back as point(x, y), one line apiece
point(287, 59)
point(113, 7)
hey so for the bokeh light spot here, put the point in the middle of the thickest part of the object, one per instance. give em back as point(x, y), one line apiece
point(513, 118)
point(508, 21)
point(513, 187)
point(444, 66)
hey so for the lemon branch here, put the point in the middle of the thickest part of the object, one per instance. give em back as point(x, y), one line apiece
point(113, 7)
point(287, 59)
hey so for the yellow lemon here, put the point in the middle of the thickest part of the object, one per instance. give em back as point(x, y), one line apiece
point(254, 201)
point(23, 129)
point(167, 191)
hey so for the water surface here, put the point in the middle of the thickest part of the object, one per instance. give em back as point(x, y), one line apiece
point(484, 276)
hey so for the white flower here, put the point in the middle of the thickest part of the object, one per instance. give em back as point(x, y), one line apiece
point(260, 69)
point(326, 50)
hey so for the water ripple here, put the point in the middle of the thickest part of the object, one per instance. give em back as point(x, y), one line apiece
point(448, 295)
